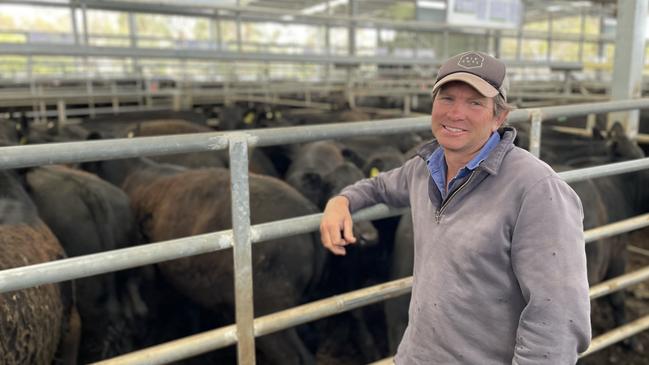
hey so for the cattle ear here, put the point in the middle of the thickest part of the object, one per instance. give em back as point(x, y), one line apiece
point(598, 134)
point(312, 180)
point(616, 131)
point(94, 135)
point(351, 156)
point(92, 166)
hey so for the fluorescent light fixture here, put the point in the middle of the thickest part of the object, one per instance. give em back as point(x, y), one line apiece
point(322, 6)
point(581, 4)
point(431, 4)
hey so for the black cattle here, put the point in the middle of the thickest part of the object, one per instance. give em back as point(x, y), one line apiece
point(259, 163)
point(174, 203)
point(11, 132)
point(96, 218)
point(318, 172)
point(166, 127)
point(310, 117)
point(37, 321)
point(310, 163)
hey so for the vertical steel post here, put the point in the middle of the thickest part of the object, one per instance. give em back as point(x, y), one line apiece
point(519, 43)
point(630, 43)
point(74, 25)
point(60, 109)
point(238, 26)
point(242, 249)
point(536, 117)
point(133, 38)
point(582, 35)
point(85, 36)
point(548, 53)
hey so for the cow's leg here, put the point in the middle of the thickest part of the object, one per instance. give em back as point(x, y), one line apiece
point(616, 300)
point(69, 346)
point(364, 338)
point(285, 347)
point(396, 318)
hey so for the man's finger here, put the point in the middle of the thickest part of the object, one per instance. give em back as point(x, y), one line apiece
point(348, 231)
point(338, 250)
point(324, 236)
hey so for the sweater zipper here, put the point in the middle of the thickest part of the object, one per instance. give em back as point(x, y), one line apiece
point(438, 214)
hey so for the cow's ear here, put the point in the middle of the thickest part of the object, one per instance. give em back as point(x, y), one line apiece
point(92, 166)
point(312, 180)
point(351, 156)
point(598, 134)
point(616, 131)
point(94, 135)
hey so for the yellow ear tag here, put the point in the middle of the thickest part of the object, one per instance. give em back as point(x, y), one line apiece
point(23, 140)
point(249, 118)
point(374, 171)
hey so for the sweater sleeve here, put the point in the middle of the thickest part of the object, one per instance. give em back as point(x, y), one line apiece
point(390, 188)
point(549, 261)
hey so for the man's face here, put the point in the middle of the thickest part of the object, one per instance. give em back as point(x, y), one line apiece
point(462, 119)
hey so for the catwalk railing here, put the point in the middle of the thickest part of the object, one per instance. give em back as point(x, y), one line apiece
point(243, 234)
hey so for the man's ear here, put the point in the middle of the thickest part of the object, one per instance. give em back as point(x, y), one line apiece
point(500, 119)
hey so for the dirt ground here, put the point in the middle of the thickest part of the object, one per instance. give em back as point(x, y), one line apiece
point(637, 305)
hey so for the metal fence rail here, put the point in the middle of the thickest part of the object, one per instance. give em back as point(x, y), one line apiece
point(71, 152)
point(225, 336)
point(242, 234)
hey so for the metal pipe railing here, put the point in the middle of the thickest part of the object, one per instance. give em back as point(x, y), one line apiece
point(597, 291)
point(242, 250)
point(225, 336)
point(73, 152)
point(100, 263)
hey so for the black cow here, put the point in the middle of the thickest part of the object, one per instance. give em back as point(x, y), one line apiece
point(37, 321)
point(318, 172)
point(96, 218)
point(259, 163)
point(175, 203)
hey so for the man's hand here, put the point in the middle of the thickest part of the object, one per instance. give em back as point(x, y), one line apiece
point(337, 219)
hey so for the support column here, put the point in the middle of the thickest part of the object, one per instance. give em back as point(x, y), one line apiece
point(548, 55)
point(215, 31)
point(582, 34)
point(629, 60)
point(238, 26)
point(242, 250)
point(85, 34)
point(132, 33)
point(351, 44)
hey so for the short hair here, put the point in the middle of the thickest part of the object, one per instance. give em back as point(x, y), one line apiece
point(500, 104)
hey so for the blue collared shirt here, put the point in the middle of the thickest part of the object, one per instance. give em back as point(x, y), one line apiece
point(437, 165)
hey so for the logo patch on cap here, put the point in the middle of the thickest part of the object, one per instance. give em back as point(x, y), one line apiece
point(471, 60)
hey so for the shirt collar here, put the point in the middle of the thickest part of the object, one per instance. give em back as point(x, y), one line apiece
point(492, 142)
point(436, 161)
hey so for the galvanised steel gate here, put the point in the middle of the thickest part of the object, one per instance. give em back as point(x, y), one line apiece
point(243, 234)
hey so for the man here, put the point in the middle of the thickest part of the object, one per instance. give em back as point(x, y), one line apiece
point(500, 266)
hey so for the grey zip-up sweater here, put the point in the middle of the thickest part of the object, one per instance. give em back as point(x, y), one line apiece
point(500, 266)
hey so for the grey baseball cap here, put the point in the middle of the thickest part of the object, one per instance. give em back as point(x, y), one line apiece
point(484, 73)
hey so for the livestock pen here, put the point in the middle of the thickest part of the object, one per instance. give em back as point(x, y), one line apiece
point(242, 235)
